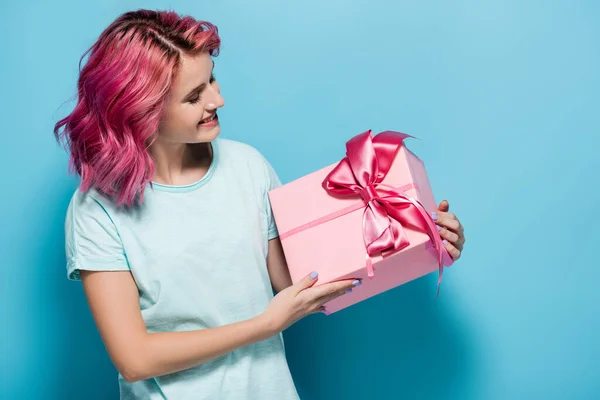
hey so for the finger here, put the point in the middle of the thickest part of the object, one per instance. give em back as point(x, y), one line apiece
point(318, 310)
point(326, 299)
point(450, 236)
point(453, 251)
point(449, 215)
point(444, 214)
point(448, 221)
point(444, 206)
point(459, 228)
point(332, 289)
point(306, 282)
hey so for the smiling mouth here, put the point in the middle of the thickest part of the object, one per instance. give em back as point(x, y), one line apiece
point(209, 119)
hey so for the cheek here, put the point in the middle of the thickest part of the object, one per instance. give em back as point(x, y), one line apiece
point(196, 117)
point(192, 115)
point(182, 120)
point(168, 121)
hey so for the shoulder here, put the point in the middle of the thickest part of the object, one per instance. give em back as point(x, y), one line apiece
point(236, 150)
point(247, 160)
point(90, 208)
point(243, 155)
point(88, 203)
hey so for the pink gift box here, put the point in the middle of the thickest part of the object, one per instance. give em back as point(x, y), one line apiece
point(325, 232)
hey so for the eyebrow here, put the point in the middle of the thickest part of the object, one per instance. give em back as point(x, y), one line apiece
point(200, 87)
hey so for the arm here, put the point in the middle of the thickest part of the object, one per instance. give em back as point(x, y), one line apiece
point(277, 266)
point(137, 354)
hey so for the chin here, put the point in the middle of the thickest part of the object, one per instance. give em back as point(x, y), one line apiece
point(207, 135)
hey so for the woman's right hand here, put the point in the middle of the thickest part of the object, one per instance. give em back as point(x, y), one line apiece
point(302, 299)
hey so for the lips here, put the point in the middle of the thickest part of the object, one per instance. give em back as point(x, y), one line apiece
point(208, 119)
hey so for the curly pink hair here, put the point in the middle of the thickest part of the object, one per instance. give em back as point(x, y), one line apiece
point(122, 90)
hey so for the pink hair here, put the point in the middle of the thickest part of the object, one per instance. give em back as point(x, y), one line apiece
point(121, 93)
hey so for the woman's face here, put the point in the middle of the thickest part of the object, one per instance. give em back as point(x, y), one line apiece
point(195, 98)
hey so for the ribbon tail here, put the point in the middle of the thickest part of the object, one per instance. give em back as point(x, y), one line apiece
point(435, 239)
point(437, 242)
point(369, 265)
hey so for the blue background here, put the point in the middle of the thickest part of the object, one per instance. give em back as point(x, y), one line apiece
point(504, 96)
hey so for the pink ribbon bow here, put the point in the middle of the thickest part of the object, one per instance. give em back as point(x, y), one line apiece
point(388, 210)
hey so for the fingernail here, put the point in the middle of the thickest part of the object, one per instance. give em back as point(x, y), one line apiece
point(434, 216)
point(439, 228)
point(313, 275)
point(348, 291)
point(445, 242)
point(357, 283)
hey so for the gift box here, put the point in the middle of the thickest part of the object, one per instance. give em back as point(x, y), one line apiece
point(366, 217)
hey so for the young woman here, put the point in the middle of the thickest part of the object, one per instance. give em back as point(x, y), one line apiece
point(171, 230)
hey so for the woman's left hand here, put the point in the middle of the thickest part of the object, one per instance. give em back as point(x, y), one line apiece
point(450, 229)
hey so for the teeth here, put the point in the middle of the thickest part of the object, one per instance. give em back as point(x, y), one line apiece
point(208, 120)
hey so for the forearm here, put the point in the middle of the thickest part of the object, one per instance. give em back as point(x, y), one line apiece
point(279, 273)
point(167, 352)
point(281, 281)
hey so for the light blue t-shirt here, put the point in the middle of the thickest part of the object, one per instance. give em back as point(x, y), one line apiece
point(198, 255)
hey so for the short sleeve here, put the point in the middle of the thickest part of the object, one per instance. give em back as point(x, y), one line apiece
point(92, 241)
point(273, 182)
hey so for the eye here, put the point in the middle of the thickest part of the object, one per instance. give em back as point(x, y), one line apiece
point(197, 99)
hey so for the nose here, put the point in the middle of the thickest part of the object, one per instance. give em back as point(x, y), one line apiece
point(215, 101)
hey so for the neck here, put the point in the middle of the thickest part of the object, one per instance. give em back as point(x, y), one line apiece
point(180, 164)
